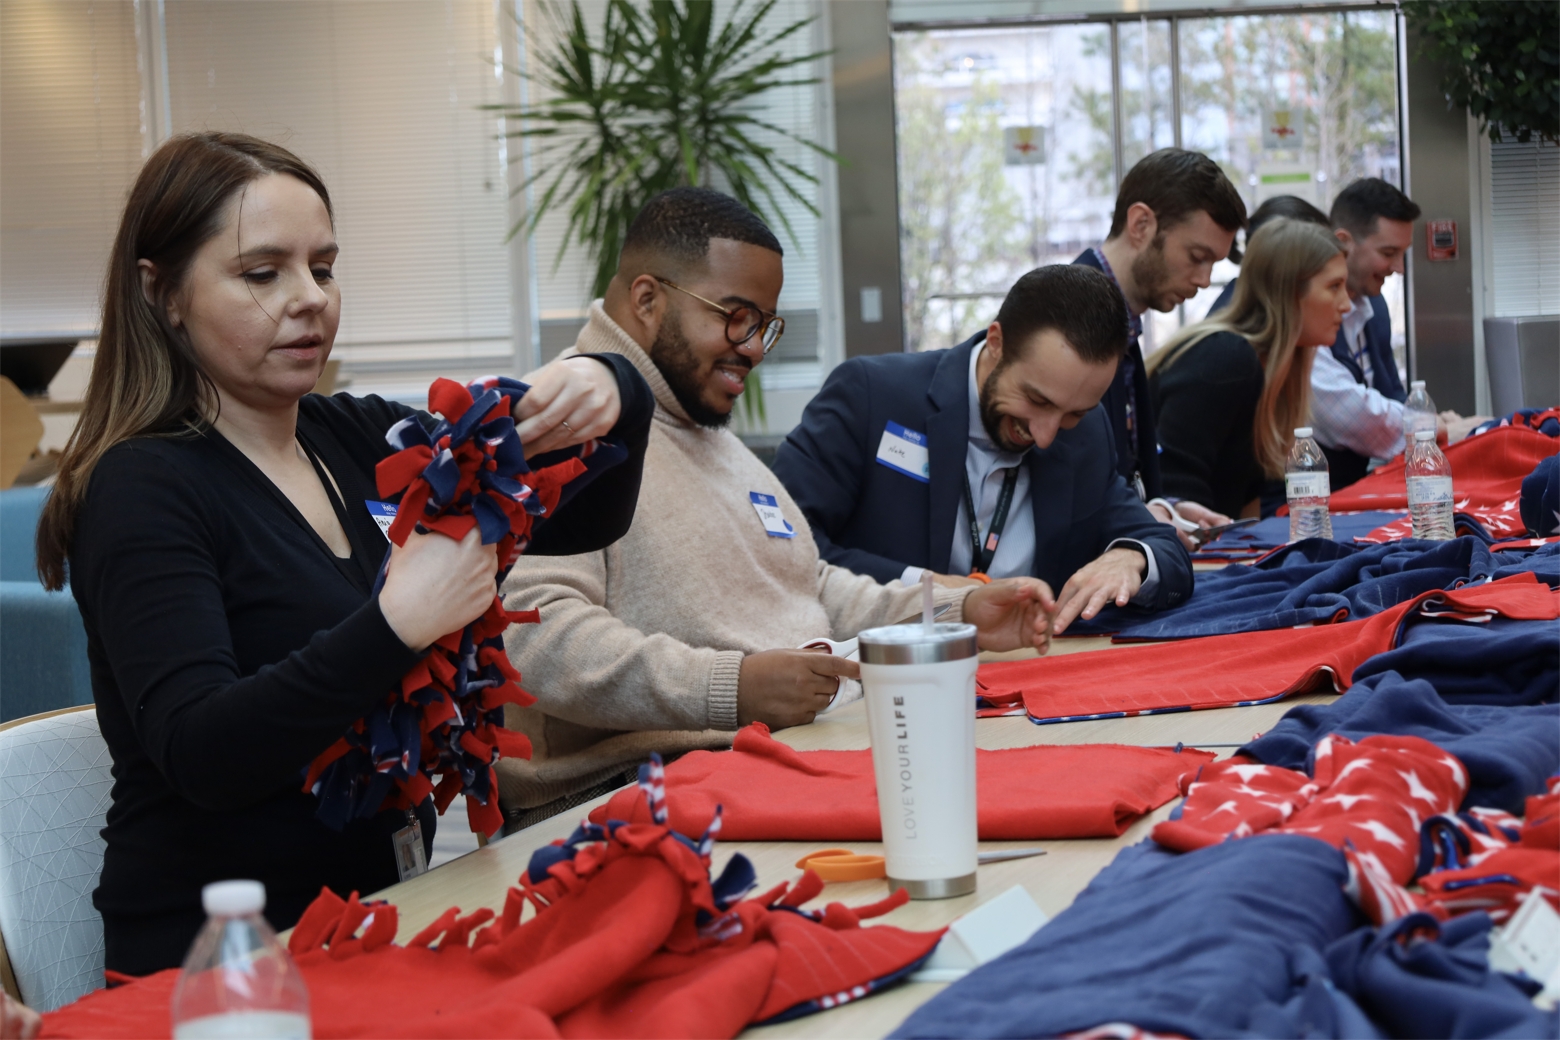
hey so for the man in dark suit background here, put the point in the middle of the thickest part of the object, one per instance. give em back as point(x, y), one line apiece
point(1176, 216)
point(899, 453)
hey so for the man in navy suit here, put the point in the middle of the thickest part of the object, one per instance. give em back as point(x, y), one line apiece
point(1356, 395)
point(992, 458)
point(1176, 216)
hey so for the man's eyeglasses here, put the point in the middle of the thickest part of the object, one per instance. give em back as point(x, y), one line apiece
point(742, 322)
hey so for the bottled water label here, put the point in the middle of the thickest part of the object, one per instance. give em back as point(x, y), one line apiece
point(245, 1025)
point(1428, 490)
point(1307, 485)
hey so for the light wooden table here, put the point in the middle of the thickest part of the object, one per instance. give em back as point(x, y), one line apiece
point(481, 878)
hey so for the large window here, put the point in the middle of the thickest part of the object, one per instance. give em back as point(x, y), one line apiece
point(1297, 104)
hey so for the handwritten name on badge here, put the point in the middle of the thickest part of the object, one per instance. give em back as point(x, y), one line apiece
point(775, 523)
point(905, 451)
point(383, 514)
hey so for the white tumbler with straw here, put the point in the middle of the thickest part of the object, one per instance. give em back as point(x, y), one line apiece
point(919, 686)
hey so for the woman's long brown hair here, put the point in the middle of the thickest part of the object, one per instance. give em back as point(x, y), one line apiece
point(1281, 259)
point(145, 379)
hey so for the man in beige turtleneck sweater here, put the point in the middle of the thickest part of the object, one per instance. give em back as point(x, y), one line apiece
point(684, 630)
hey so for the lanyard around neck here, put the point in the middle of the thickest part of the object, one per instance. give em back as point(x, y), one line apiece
point(982, 551)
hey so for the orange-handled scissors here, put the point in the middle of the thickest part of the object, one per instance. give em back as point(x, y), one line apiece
point(843, 865)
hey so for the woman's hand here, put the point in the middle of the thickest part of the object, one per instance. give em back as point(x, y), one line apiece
point(1012, 613)
point(17, 1021)
point(571, 400)
point(436, 585)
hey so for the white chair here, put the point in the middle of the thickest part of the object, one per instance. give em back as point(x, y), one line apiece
point(54, 794)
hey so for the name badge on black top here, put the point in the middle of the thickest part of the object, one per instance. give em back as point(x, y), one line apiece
point(383, 514)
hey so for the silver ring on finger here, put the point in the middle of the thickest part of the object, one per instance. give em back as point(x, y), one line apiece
point(565, 424)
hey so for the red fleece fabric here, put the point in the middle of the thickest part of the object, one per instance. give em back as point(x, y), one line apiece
point(1244, 668)
point(1371, 796)
point(627, 941)
point(1483, 859)
point(1487, 472)
point(771, 792)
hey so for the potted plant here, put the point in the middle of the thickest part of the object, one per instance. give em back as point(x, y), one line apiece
point(659, 96)
point(1500, 61)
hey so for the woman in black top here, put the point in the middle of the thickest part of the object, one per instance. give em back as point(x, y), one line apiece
point(1229, 390)
point(213, 514)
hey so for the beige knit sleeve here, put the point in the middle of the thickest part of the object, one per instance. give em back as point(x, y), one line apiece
point(857, 601)
point(585, 666)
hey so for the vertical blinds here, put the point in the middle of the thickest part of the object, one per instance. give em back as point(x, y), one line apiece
point(70, 107)
point(1525, 226)
point(383, 99)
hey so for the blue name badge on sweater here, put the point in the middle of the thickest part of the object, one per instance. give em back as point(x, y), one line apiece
point(905, 451)
point(775, 523)
point(383, 514)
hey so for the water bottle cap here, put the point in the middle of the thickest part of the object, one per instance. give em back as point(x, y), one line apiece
point(1302, 431)
point(1424, 435)
point(233, 898)
point(1418, 384)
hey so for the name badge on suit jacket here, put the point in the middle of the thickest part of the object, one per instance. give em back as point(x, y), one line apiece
point(905, 451)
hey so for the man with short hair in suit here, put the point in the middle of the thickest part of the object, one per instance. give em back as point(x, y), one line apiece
point(1356, 395)
point(992, 458)
point(1176, 216)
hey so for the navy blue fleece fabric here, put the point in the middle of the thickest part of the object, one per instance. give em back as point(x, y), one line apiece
point(1274, 531)
point(1501, 661)
point(1540, 501)
point(1224, 941)
point(1509, 752)
point(1418, 977)
point(1315, 581)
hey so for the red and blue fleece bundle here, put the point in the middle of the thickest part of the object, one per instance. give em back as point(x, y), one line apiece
point(441, 731)
point(620, 930)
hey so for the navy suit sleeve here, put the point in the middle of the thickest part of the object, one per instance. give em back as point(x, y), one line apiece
point(822, 464)
point(1125, 516)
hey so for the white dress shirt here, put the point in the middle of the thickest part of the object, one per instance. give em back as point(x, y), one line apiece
point(985, 466)
point(1345, 412)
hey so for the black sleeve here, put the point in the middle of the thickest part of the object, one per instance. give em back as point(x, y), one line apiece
point(821, 464)
point(600, 512)
point(145, 566)
point(1203, 402)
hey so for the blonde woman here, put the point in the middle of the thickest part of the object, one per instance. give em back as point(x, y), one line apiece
point(1230, 389)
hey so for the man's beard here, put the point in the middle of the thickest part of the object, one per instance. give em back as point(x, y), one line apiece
point(1150, 273)
point(991, 418)
point(674, 356)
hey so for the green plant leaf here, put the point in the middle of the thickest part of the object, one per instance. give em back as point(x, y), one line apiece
point(659, 95)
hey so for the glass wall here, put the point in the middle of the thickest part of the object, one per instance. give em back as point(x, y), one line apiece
point(1005, 163)
point(1012, 140)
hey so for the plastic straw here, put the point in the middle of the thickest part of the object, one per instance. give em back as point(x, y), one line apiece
point(926, 603)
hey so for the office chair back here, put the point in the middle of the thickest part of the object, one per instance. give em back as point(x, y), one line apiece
point(54, 794)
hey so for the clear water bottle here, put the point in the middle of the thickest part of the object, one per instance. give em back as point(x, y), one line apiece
point(1418, 413)
point(238, 980)
point(1429, 478)
point(1307, 485)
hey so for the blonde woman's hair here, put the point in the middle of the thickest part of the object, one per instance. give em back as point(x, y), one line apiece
point(1281, 259)
point(145, 379)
